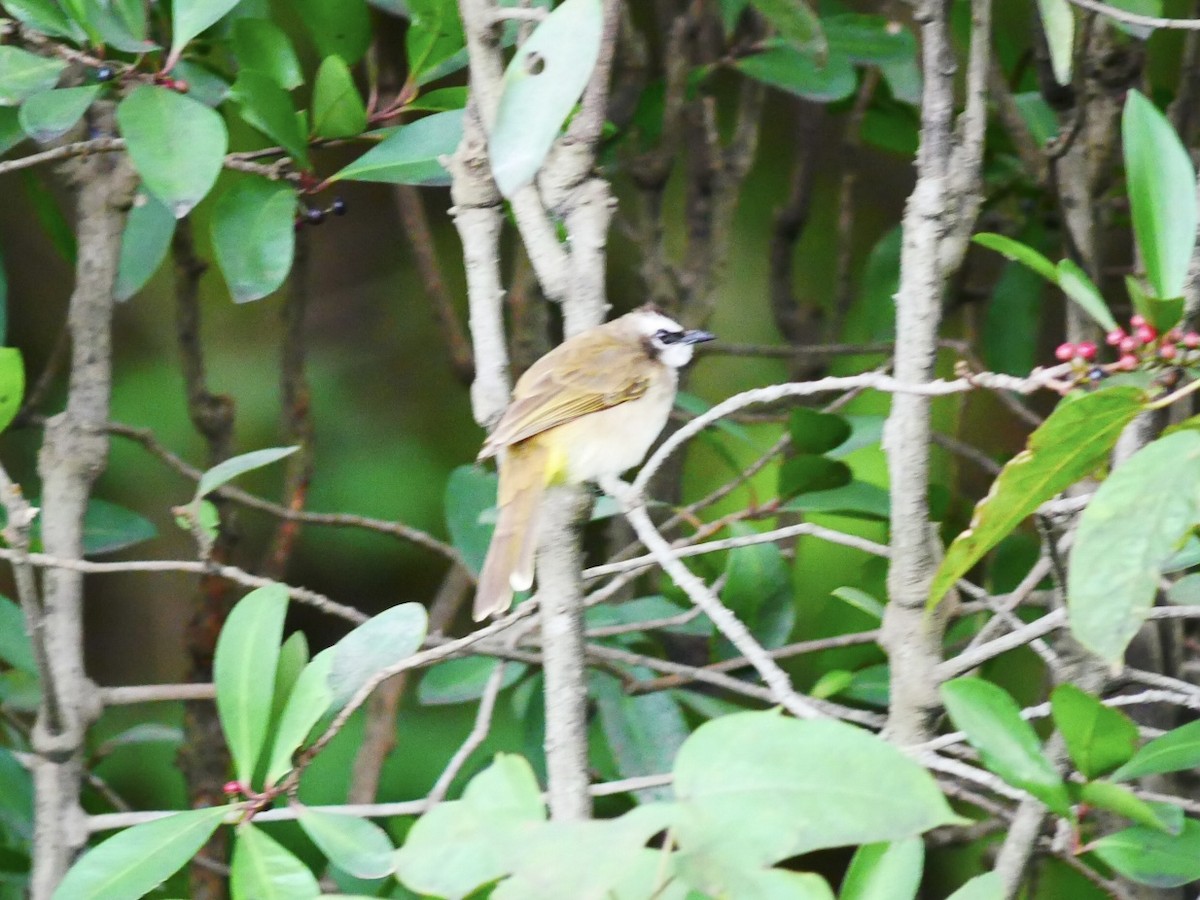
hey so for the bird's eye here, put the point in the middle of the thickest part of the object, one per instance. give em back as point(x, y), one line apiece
point(668, 337)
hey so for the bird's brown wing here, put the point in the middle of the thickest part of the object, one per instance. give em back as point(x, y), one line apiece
point(550, 393)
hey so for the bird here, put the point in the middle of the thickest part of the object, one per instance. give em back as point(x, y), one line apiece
point(588, 409)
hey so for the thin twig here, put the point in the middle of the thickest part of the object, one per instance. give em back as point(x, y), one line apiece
point(478, 734)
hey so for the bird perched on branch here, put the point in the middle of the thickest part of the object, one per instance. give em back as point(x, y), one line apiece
point(588, 409)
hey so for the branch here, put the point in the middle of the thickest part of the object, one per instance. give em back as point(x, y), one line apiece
point(477, 735)
point(1132, 18)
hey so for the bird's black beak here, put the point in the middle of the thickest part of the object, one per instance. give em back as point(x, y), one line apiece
point(695, 336)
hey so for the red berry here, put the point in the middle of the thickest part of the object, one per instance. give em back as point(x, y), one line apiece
point(1191, 340)
point(232, 787)
point(1114, 337)
point(1065, 352)
point(1128, 344)
point(1146, 334)
point(1137, 321)
point(1167, 351)
point(1086, 350)
point(1173, 335)
point(180, 86)
point(1127, 363)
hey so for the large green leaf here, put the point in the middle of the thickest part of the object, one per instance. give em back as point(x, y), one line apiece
point(643, 732)
point(1071, 443)
point(1018, 252)
point(108, 527)
point(885, 871)
point(1158, 171)
point(382, 640)
point(869, 39)
point(177, 145)
point(268, 107)
point(1119, 551)
point(1175, 751)
point(263, 46)
point(337, 26)
point(51, 114)
point(1098, 737)
point(254, 236)
point(802, 73)
point(543, 82)
point(988, 886)
point(1081, 289)
point(263, 869)
point(758, 787)
point(309, 700)
point(435, 34)
point(796, 22)
point(12, 384)
point(337, 109)
point(464, 680)
point(44, 16)
point(1124, 802)
point(149, 228)
point(410, 154)
point(132, 862)
point(1149, 856)
point(23, 74)
point(817, 432)
point(244, 673)
point(1008, 744)
point(458, 846)
point(190, 17)
point(354, 845)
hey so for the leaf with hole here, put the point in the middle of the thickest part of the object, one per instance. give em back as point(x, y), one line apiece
point(134, 861)
point(1118, 554)
point(411, 154)
point(177, 145)
point(1073, 442)
point(254, 236)
point(1157, 173)
point(541, 86)
point(244, 672)
point(1008, 744)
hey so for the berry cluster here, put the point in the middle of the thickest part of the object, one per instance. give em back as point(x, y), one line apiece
point(1140, 345)
point(312, 216)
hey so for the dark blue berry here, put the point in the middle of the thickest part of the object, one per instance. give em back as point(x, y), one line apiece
point(338, 207)
point(105, 73)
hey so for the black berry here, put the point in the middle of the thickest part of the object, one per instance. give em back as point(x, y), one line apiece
point(105, 73)
point(314, 216)
point(338, 206)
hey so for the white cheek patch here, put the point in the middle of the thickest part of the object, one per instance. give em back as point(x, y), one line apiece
point(676, 355)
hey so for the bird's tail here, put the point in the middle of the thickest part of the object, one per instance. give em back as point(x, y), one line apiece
point(509, 563)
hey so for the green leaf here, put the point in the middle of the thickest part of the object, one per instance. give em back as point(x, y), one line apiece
point(1098, 737)
point(23, 74)
point(15, 647)
point(11, 132)
point(268, 107)
point(1121, 800)
point(580, 859)
point(206, 86)
point(858, 498)
point(796, 22)
point(189, 18)
point(149, 228)
point(1058, 22)
point(224, 472)
point(410, 154)
point(458, 846)
point(1018, 252)
point(338, 109)
point(643, 732)
point(435, 35)
point(463, 680)
point(264, 869)
point(12, 384)
point(120, 25)
point(802, 73)
point(987, 886)
point(440, 100)
point(1148, 856)
point(1163, 314)
point(541, 85)
point(1072, 442)
point(885, 871)
point(755, 576)
point(293, 657)
point(804, 473)
point(860, 600)
point(377, 643)
point(337, 26)
point(309, 700)
point(1119, 552)
point(1006, 742)
point(261, 45)
point(1175, 751)
point(108, 528)
point(354, 845)
point(1157, 166)
point(176, 144)
point(244, 672)
point(470, 491)
point(44, 16)
point(254, 236)
point(869, 39)
point(134, 861)
point(1076, 285)
point(1013, 313)
point(757, 788)
point(817, 432)
point(51, 114)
